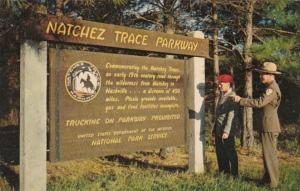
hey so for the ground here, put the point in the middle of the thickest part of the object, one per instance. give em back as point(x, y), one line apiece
point(139, 163)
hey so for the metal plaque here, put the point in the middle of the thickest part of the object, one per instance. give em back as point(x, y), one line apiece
point(102, 104)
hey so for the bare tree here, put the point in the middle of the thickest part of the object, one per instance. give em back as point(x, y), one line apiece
point(168, 28)
point(247, 136)
point(215, 49)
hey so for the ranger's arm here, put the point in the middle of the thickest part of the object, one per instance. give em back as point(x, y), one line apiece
point(263, 100)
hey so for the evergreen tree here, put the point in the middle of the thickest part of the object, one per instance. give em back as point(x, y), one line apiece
point(278, 34)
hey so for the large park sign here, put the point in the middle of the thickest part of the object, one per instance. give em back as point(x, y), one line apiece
point(101, 104)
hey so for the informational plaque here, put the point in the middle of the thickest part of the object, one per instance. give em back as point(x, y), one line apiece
point(104, 104)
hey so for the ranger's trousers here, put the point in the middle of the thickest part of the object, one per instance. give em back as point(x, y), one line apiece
point(271, 164)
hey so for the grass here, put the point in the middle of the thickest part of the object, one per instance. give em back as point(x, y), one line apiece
point(147, 172)
point(159, 180)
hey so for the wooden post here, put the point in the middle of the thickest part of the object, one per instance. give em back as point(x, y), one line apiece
point(33, 116)
point(195, 104)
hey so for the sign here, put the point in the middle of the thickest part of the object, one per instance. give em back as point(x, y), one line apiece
point(103, 104)
point(63, 29)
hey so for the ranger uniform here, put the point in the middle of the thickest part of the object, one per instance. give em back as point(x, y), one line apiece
point(269, 101)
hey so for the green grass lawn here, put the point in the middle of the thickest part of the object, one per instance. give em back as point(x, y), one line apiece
point(148, 172)
point(160, 180)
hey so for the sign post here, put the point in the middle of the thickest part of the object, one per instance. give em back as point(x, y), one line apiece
point(195, 104)
point(33, 116)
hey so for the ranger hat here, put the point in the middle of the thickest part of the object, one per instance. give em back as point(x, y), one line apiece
point(268, 67)
point(225, 78)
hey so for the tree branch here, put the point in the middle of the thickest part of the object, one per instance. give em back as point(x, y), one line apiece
point(225, 48)
point(277, 30)
point(148, 20)
point(258, 38)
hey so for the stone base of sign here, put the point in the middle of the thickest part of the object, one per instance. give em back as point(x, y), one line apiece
point(33, 116)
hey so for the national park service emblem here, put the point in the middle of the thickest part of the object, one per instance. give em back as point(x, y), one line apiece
point(83, 81)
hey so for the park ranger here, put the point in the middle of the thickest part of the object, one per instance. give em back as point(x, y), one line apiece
point(269, 102)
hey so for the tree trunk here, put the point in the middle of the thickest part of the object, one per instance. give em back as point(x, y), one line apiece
point(169, 29)
point(232, 74)
point(247, 133)
point(59, 7)
point(215, 51)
